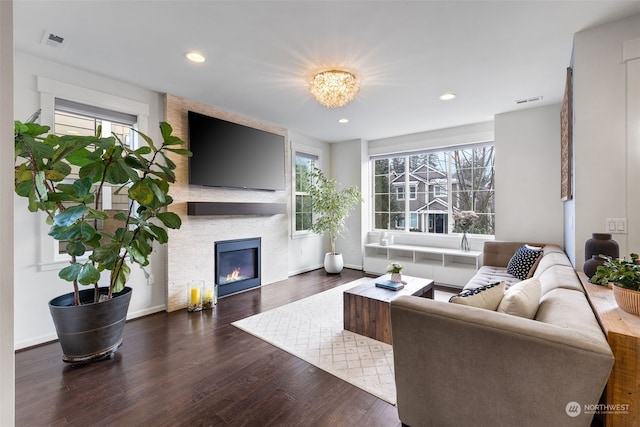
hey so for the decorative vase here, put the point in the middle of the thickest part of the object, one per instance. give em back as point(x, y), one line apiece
point(627, 299)
point(333, 263)
point(591, 265)
point(464, 243)
point(599, 244)
point(396, 277)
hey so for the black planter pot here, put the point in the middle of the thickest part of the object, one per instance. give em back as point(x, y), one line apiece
point(90, 331)
point(598, 244)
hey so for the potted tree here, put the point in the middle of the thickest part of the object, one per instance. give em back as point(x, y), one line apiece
point(625, 276)
point(65, 177)
point(330, 208)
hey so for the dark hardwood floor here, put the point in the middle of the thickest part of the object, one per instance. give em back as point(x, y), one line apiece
point(196, 369)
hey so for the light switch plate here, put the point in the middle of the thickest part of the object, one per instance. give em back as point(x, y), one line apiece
point(616, 225)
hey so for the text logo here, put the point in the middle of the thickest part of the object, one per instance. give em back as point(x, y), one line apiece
point(573, 409)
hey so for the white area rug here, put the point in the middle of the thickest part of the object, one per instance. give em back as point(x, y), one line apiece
point(312, 330)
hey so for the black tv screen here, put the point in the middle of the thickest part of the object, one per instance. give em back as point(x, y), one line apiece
point(227, 154)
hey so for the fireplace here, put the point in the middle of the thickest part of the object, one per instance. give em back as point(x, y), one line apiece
point(237, 265)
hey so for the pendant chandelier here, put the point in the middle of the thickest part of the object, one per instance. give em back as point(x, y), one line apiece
point(334, 88)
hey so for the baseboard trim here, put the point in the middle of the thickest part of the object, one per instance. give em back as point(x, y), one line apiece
point(48, 338)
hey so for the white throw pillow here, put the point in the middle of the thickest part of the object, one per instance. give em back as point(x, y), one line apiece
point(522, 299)
point(487, 297)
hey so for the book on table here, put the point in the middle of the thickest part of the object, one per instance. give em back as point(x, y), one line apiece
point(388, 284)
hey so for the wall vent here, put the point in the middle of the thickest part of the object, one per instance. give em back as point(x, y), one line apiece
point(53, 40)
point(526, 100)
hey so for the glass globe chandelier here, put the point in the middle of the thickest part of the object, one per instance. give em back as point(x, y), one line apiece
point(334, 88)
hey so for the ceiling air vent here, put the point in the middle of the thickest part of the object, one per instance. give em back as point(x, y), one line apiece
point(526, 100)
point(52, 40)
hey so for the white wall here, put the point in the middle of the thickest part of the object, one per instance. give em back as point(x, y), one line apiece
point(604, 135)
point(7, 356)
point(528, 206)
point(306, 251)
point(35, 285)
point(346, 168)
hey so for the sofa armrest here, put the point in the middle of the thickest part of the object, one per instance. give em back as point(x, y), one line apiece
point(457, 365)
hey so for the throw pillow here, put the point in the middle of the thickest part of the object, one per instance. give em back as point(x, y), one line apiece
point(522, 299)
point(523, 261)
point(487, 297)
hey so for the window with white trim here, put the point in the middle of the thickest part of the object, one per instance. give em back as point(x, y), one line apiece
point(73, 118)
point(304, 165)
point(440, 183)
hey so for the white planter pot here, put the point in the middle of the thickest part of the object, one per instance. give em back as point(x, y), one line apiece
point(333, 263)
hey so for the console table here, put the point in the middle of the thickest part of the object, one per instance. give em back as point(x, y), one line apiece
point(623, 334)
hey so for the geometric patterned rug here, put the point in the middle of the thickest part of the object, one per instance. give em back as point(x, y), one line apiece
point(312, 329)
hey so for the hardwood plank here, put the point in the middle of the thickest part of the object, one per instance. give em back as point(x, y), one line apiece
point(196, 369)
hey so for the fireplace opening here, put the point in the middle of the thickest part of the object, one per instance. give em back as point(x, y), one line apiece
point(237, 265)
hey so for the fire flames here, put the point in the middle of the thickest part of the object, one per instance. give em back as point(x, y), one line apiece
point(235, 275)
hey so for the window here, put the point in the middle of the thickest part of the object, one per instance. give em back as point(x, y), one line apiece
point(400, 190)
point(439, 183)
point(72, 118)
point(304, 164)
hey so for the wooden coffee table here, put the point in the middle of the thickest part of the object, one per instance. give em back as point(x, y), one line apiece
point(367, 308)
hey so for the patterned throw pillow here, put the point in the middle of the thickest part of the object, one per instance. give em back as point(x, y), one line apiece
point(523, 261)
point(487, 297)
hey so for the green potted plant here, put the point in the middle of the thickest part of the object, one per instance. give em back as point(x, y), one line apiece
point(330, 208)
point(65, 177)
point(625, 276)
point(395, 271)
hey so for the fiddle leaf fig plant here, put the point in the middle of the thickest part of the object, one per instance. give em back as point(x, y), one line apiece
point(66, 177)
point(330, 207)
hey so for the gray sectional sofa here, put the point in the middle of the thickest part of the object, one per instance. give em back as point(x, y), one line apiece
point(457, 365)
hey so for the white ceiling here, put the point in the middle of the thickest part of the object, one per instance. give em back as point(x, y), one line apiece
point(261, 54)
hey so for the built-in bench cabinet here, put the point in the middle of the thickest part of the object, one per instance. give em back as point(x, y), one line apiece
point(452, 267)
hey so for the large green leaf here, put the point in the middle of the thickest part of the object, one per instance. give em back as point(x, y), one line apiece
point(181, 151)
point(41, 189)
point(141, 192)
point(80, 231)
point(24, 188)
point(70, 272)
point(159, 233)
point(121, 278)
point(119, 173)
point(106, 254)
point(76, 248)
point(82, 187)
point(170, 220)
point(69, 216)
point(88, 274)
point(92, 170)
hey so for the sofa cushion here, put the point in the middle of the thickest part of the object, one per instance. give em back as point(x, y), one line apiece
point(487, 297)
point(522, 299)
point(490, 274)
point(559, 276)
point(523, 261)
point(570, 309)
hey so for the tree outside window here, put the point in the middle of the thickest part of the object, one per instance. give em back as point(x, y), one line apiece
point(439, 183)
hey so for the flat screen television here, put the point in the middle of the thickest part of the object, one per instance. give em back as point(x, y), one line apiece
point(227, 154)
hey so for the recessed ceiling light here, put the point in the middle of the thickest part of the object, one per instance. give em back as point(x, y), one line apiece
point(447, 96)
point(195, 57)
point(343, 121)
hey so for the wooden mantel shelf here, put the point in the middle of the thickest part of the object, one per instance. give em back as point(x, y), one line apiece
point(235, 208)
